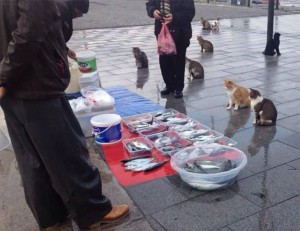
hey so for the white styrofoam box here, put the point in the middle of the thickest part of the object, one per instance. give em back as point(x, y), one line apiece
point(89, 79)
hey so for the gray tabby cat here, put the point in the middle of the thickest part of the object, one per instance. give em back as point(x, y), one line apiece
point(195, 68)
point(264, 109)
point(141, 59)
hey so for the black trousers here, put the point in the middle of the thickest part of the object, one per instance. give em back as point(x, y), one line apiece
point(54, 162)
point(173, 66)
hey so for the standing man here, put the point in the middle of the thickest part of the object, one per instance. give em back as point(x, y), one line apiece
point(178, 14)
point(49, 145)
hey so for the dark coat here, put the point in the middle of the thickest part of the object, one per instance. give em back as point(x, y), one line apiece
point(65, 8)
point(33, 61)
point(183, 12)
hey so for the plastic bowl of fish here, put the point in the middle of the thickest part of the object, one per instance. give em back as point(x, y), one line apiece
point(137, 146)
point(209, 166)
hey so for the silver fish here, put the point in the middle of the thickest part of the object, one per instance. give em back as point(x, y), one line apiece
point(138, 161)
point(140, 145)
point(177, 120)
point(215, 165)
point(163, 140)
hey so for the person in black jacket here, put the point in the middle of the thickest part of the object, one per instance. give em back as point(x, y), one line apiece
point(58, 178)
point(178, 14)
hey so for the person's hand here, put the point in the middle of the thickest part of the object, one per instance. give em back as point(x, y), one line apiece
point(72, 54)
point(157, 15)
point(168, 18)
point(2, 92)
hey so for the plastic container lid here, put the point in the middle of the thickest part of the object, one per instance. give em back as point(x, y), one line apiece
point(85, 55)
point(105, 120)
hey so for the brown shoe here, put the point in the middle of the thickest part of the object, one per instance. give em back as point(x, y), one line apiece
point(117, 213)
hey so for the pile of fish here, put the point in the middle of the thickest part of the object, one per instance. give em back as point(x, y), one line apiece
point(145, 125)
point(137, 146)
point(209, 166)
point(169, 142)
point(141, 163)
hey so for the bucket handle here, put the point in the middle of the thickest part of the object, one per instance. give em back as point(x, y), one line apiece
point(99, 133)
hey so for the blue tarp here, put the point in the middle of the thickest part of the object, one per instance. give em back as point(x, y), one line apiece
point(128, 103)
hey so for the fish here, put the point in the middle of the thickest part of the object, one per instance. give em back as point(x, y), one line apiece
point(144, 166)
point(135, 158)
point(138, 162)
point(177, 120)
point(164, 116)
point(165, 140)
point(140, 145)
point(190, 167)
point(215, 165)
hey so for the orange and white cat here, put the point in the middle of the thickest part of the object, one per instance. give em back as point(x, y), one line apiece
point(237, 95)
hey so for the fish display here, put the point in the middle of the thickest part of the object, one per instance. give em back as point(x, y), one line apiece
point(209, 166)
point(142, 164)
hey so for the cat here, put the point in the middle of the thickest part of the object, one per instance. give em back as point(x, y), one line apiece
point(216, 24)
point(237, 95)
point(195, 69)
point(264, 109)
point(141, 59)
point(205, 24)
point(205, 44)
point(272, 45)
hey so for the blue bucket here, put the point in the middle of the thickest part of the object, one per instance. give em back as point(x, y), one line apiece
point(107, 128)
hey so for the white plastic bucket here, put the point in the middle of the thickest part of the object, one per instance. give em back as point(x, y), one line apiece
point(107, 128)
point(86, 61)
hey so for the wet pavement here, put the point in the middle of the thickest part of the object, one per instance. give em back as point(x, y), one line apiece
point(267, 193)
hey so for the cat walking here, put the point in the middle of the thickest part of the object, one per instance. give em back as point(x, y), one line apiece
point(140, 56)
point(206, 45)
point(264, 109)
point(195, 68)
point(237, 95)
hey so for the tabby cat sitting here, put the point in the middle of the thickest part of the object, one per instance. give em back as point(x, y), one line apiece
point(237, 95)
point(205, 44)
point(264, 109)
point(195, 68)
point(205, 24)
point(141, 59)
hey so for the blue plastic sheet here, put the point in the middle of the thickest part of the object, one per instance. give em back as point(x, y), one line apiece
point(128, 103)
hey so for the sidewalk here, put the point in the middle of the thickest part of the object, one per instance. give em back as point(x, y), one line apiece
point(267, 194)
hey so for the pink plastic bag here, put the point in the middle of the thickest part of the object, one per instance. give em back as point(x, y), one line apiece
point(165, 42)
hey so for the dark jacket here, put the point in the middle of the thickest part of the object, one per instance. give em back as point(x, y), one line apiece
point(65, 8)
point(33, 61)
point(183, 12)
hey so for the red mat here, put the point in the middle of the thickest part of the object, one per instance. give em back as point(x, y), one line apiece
point(116, 152)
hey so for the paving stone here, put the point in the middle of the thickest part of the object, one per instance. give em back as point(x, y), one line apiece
point(270, 187)
point(154, 196)
point(280, 217)
point(210, 211)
